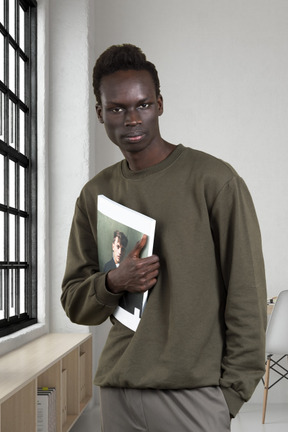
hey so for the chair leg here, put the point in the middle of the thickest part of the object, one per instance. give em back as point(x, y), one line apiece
point(266, 388)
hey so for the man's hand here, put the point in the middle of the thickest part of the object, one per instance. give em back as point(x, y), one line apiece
point(134, 274)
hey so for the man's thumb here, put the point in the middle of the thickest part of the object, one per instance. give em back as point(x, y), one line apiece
point(139, 246)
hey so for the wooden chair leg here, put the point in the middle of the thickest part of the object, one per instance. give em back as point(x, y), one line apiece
point(266, 387)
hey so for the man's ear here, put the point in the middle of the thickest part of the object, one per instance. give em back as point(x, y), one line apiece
point(160, 104)
point(99, 113)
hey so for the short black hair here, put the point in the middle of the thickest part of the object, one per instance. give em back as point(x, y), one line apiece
point(122, 57)
point(122, 238)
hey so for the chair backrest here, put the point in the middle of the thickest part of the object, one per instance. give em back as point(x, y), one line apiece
point(277, 330)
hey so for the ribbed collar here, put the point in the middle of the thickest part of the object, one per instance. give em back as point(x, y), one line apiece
point(135, 175)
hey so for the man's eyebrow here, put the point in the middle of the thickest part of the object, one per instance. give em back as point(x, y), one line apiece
point(121, 104)
point(114, 103)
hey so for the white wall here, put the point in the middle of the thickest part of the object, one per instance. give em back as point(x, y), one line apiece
point(223, 67)
point(69, 135)
point(72, 152)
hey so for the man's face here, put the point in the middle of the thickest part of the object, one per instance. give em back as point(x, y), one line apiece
point(130, 109)
point(118, 251)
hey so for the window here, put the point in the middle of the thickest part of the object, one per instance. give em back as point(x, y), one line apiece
point(18, 157)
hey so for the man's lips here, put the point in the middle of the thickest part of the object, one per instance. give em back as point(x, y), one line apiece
point(135, 137)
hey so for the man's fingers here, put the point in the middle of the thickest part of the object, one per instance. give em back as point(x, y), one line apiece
point(135, 253)
point(135, 274)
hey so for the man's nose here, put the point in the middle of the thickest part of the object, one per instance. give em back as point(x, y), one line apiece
point(132, 118)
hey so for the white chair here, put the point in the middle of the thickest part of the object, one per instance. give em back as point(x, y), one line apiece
point(276, 344)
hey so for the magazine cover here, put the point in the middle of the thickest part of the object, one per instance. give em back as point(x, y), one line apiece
point(118, 230)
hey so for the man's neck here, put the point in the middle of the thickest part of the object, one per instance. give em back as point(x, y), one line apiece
point(142, 160)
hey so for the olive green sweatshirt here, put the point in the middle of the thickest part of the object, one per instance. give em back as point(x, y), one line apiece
point(205, 319)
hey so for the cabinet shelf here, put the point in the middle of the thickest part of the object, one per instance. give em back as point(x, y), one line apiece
point(63, 361)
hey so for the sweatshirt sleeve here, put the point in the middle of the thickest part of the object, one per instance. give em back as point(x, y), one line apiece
point(238, 246)
point(85, 298)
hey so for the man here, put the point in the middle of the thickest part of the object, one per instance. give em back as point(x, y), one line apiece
point(198, 352)
point(119, 245)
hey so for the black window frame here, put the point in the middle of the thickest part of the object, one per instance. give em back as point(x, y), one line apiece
point(18, 276)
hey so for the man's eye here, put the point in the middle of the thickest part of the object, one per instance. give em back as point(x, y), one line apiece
point(117, 110)
point(144, 105)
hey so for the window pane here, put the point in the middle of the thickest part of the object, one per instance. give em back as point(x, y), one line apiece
point(2, 11)
point(12, 238)
point(12, 292)
point(22, 290)
point(21, 28)
point(22, 203)
point(12, 68)
point(12, 123)
point(2, 116)
point(2, 294)
point(22, 228)
point(12, 18)
point(12, 184)
point(21, 79)
point(1, 57)
point(2, 257)
point(21, 132)
point(2, 189)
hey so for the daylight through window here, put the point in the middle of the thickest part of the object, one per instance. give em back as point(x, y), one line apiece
point(18, 156)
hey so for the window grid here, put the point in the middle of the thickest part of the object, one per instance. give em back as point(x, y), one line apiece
point(18, 155)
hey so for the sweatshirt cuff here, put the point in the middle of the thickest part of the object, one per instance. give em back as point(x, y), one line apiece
point(233, 400)
point(104, 296)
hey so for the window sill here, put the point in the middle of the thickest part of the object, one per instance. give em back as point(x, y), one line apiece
point(16, 340)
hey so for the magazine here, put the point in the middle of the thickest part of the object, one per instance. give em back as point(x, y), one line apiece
point(118, 230)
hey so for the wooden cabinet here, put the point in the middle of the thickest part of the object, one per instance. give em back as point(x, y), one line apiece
point(63, 361)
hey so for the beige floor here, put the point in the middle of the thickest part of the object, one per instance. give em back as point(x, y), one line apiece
point(248, 420)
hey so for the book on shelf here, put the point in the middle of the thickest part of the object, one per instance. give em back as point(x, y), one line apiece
point(46, 409)
point(129, 226)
